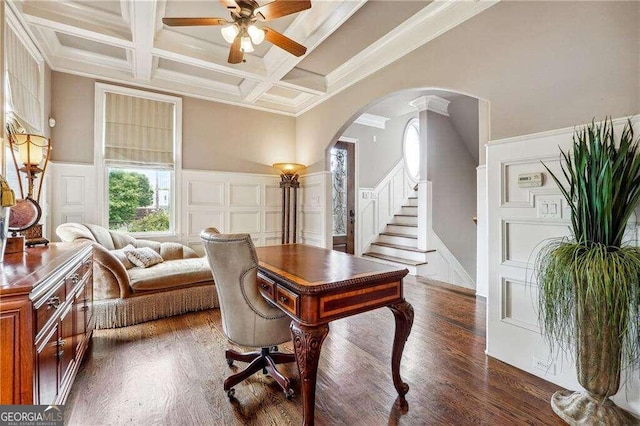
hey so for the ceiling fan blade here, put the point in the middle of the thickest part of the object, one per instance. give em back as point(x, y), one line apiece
point(235, 54)
point(186, 22)
point(230, 5)
point(279, 8)
point(284, 42)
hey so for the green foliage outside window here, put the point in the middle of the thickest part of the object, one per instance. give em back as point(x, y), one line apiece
point(127, 192)
point(157, 221)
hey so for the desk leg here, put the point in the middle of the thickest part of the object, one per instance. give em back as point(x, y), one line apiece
point(307, 342)
point(403, 312)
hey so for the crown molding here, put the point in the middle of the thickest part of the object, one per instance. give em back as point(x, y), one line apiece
point(431, 103)
point(372, 120)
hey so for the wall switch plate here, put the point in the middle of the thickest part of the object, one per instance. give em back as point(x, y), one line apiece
point(548, 366)
point(549, 207)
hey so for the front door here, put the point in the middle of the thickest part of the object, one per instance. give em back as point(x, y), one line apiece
point(343, 164)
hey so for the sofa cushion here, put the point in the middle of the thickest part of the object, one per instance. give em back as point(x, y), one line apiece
point(121, 255)
point(170, 274)
point(143, 257)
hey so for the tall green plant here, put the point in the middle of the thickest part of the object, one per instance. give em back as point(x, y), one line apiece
point(595, 267)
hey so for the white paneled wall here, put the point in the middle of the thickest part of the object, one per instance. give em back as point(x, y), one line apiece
point(232, 203)
point(376, 206)
point(72, 194)
point(314, 210)
point(517, 228)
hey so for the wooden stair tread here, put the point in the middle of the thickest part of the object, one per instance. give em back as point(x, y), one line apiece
point(406, 215)
point(395, 259)
point(403, 224)
point(395, 234)
point(413, 198)
point(415, 207)
point(401, 247)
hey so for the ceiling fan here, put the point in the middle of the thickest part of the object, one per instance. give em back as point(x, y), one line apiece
point(242, 32)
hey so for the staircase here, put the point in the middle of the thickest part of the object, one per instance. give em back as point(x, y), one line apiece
point(398, 243)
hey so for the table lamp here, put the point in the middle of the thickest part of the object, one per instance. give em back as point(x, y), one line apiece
point(30, 155)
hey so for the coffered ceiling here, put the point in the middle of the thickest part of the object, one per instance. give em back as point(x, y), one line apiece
point(125, 41)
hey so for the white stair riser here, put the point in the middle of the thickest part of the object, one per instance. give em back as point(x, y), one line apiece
point(412, 269)
point(405, 220)
point(412, 202)
point(409, 210)
point(405, 230)
point(403, 241)
point(403, 254)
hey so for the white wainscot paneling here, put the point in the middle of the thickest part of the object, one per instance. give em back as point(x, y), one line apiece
point(244, 195)
point(205, 193)
point(199, 220)
point(314, 209)
point(272, 241)
point(512, 195)
point(73, 190)
point(311, 196)
point(523, 239)
point(368, 228)
point(244, 222)
point(398, 187)
point(385, 203)
point(273, 196)
point(311, 222)
point(517, 305)
point(273, 221)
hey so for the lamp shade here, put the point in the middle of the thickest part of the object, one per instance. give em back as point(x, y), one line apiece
point(30, 148)
point(289, 168)
point(230, 32)
point(256, 34)
point(245, 44)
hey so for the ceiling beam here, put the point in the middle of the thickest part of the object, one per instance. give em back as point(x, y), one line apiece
point(310, 28)
point(143, 29)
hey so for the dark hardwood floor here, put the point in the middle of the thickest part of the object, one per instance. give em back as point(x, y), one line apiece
point(171, 371)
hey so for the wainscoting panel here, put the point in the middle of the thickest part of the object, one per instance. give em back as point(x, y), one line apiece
point(71, 195)
point(520, 221)
point(314, 210)
point(231, 202)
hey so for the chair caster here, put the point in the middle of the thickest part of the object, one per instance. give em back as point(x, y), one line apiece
point(288, 394)
point(229, 362)
point(273, 349)
point(231, 392)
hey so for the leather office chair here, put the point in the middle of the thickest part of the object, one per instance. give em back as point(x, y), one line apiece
point(247, 318)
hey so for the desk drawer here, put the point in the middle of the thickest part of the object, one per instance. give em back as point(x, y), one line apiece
point(267, 287)
point(50, 307)
point(287, 300)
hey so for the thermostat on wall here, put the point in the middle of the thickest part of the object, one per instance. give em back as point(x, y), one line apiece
point(529, 180)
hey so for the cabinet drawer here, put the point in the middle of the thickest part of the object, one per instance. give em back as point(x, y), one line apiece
point(266, 287)
point(50, 307)
point(287, 300)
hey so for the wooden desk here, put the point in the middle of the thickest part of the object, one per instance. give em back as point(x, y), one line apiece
point(315, 286)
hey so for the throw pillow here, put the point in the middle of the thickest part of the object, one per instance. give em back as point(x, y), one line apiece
point(144, 257)
point(121, 255)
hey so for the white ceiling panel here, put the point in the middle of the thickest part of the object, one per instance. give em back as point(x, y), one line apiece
point(91, 46)
point(198, 72)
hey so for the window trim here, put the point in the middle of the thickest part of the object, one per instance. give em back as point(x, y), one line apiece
point(101, 89)
point(413, 122)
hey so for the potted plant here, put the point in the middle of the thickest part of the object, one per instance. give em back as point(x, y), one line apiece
point(589, 283)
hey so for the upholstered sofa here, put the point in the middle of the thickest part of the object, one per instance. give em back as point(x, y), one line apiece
point(125, 295)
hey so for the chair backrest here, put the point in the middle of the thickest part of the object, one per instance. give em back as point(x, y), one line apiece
point(234, 263)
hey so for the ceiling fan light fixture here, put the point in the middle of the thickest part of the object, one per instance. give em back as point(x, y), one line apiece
point(245, 44)
point(256, 34)
point(229, 32)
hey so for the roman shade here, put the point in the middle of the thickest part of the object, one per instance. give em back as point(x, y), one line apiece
point(23, 80)
point(138, 131)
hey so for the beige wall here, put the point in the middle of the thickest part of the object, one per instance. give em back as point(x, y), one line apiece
point(215, 136)
point(384, 153)
point(541, 65)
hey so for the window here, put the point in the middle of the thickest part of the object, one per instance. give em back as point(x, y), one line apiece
point(411, 146)
point(137, 150)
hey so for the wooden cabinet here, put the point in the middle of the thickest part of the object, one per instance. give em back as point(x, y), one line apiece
point(46, 321)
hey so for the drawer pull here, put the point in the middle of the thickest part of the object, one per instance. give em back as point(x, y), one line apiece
point(60, 354)
point(54, 302)
point(75, 278)
point(264, 286)
point(284, 299)
point(61, 342)
point(85, 308)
